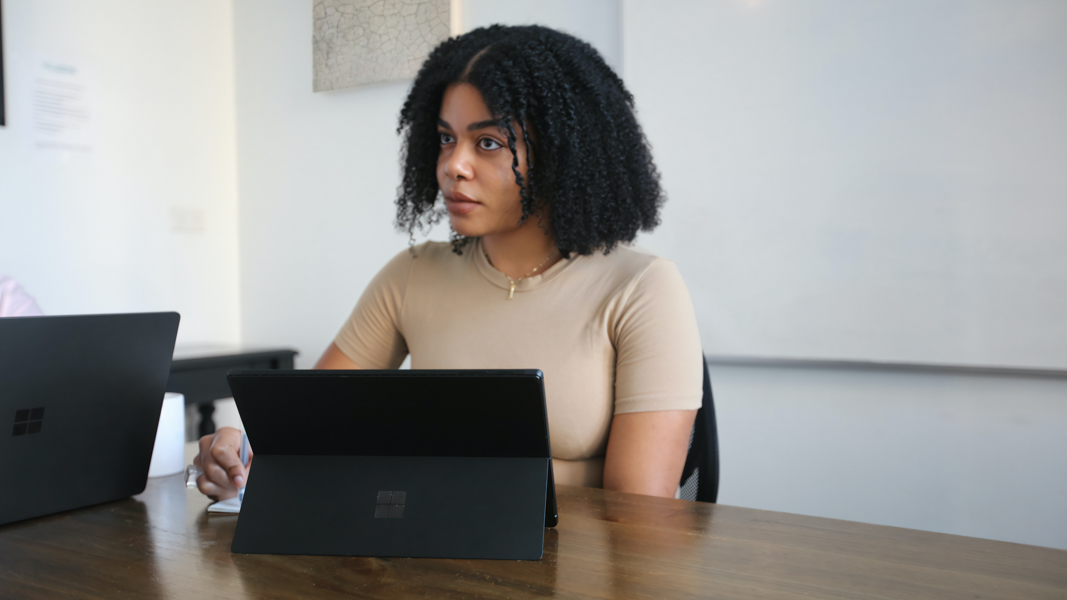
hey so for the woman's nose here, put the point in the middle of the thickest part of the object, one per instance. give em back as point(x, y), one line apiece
point(458, 165)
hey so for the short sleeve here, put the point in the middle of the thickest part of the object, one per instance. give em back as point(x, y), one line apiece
point(659, 361)
point(372, 337)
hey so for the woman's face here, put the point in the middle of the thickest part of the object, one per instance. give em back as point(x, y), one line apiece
point(474, 166)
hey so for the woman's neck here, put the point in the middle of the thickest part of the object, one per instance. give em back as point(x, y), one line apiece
point(517, 252)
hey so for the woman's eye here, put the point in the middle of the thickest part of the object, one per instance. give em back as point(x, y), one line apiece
point(446, 139)
point(489, 144)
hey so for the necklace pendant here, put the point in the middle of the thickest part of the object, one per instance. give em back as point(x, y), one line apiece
point(511, 292)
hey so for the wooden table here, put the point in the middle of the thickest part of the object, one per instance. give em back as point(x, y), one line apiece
point(162, 544)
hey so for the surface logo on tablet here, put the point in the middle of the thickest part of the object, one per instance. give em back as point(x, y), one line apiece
point(28, 420)
point(390, 505)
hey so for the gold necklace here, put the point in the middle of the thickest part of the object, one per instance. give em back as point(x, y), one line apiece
point(511, 292)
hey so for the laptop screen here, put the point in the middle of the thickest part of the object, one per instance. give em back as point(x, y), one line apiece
point(394, 413)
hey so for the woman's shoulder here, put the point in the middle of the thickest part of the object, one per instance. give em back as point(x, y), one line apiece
point(630, 263)
point(433, 251)
point(426, 252)
point(429, 263)
point(627, 274)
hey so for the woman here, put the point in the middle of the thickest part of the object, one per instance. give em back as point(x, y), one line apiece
point(531, 141)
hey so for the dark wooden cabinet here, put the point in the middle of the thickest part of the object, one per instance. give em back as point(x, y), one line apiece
point(201, 375)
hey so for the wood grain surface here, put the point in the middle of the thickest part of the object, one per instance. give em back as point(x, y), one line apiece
point(162, 544)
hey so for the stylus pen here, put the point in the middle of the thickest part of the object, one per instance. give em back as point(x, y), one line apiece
point(244, 461)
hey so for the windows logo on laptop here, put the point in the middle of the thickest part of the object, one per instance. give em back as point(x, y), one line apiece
point(390, 505)
point(28, 420)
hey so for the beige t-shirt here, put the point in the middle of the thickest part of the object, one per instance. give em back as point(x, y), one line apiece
point(612, 334)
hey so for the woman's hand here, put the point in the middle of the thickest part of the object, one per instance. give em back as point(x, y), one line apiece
point(220, 465)
point(646, 451)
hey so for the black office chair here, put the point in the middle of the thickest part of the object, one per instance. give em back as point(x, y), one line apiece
point(700, 476)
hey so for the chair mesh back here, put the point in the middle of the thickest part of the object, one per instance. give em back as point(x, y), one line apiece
point(688, 489)
point(700, 476)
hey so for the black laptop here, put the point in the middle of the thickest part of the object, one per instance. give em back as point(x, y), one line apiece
point(80, 398)
point(446, 464)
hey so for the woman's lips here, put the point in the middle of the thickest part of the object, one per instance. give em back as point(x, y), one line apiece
point(458, 204)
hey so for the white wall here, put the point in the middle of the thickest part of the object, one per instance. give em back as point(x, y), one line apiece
point(964, 454)
point(873, 180)
point(598, 22)
point(98, 234)
point(318, 171)
point(879, 180)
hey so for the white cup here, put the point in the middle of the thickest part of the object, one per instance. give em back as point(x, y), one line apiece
point(168, 453)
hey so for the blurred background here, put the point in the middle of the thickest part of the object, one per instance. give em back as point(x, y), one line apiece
point(867, 200)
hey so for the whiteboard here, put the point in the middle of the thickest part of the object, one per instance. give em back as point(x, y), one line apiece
point(862, 180)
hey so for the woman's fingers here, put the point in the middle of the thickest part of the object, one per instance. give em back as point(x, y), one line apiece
point(226, 452)
point(213, 480)
point(219, 461)
point(212, 490)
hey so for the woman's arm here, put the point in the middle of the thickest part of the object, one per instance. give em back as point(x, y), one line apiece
point(646, 451)
point(333, 358)
point(658, 385)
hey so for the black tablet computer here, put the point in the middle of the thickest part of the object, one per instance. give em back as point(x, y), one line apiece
point(446, 464)
point(80, 398)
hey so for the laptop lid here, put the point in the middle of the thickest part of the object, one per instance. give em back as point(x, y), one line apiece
point(395, 463)
point(80, 398)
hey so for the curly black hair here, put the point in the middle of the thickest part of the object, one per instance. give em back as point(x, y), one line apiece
point(589, 166)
